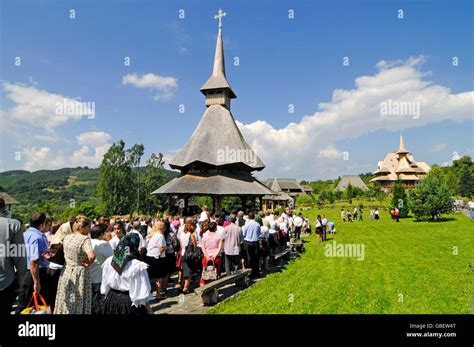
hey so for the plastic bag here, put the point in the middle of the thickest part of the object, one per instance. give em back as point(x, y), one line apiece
point(37, 309)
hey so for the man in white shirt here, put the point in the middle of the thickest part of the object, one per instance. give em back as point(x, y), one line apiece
point(324, 222)
point(298, 223)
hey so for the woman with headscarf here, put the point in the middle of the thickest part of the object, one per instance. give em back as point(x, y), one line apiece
point(125, 279)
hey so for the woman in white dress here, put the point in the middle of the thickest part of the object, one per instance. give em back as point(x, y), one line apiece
point(125, 280)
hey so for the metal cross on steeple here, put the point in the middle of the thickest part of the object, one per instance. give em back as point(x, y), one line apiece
point(219, 16)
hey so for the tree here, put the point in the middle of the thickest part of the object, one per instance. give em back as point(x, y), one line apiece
point(203, 201)
point(331, 197)
point(431, 197)
point(115, 187)
point(153, 179)
point(135, 153)
point(338, 194)
point(230, 202)
point(466, 182)
point(319, 186)
point(349, 193)
point(304, 200)
point(323, 196)
point(399, 199)
point(373, 191)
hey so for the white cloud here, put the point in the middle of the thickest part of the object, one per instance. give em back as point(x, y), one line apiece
point(293, 150)
point(330, 152)
point(93, 138)
point(36, 157)
point(93, 146)
point(37, 107)
point(439, 147)
point(165, 85)
point(47, 138)
point(168, 156)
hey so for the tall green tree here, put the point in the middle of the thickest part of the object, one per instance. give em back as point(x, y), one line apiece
point(338, 194)
point(349, 193)
point(115, 186)
point(331, 197)
point(135, 153)
point(152, 180)
point(431, 197)
point(323, 196)
point(400, 199)
point(466, 182)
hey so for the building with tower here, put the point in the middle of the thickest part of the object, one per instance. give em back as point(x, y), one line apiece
point(400, 165)
point(217, 161)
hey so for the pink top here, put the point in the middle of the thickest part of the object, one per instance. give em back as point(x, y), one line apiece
point(210, 241)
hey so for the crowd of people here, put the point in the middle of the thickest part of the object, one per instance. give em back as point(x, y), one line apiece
point(114, 265)
point(358, 214)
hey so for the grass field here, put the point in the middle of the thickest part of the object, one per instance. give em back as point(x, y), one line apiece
point(408, 267)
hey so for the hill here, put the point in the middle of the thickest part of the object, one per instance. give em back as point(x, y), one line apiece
point(33, 189)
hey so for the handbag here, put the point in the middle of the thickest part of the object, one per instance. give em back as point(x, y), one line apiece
point(190, 252)
point(55, 254)
point(37, 309)
point(209, 272)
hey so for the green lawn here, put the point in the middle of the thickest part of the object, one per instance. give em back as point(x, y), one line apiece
point(409, 267)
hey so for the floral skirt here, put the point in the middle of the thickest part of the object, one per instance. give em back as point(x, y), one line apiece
point(74, 294)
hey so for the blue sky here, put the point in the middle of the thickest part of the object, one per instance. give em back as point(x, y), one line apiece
point(282, 61)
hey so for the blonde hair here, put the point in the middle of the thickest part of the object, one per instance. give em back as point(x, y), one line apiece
point(81, 221)
point(158, 227)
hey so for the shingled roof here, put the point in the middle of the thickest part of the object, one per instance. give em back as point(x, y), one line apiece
point(284, 184)
point(353, 180)
point(8, 199)
point(400, 165)
point(215, 134)
point(209, 184)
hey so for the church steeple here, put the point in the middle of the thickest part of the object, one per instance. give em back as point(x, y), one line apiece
point(217, 89)
point(401, 147)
